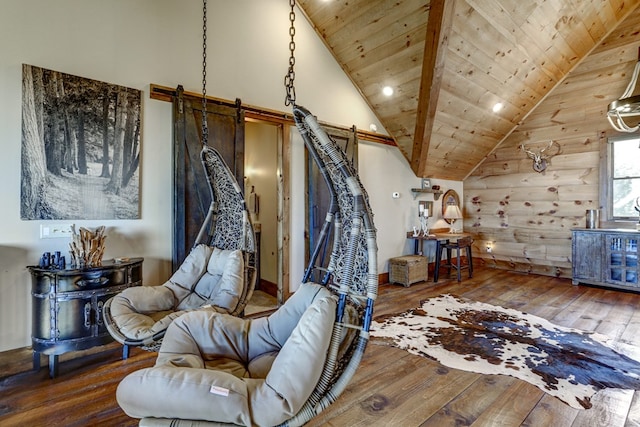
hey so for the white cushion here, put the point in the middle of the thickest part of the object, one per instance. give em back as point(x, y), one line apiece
point(191, 270)
point(297, 368)
point(221, 285)
point(142, 311)
point(218, 261)
point(207, 276)
point(169, 392)
point(179, 386)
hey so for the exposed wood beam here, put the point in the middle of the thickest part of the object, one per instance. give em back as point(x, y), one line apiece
point(435, 46)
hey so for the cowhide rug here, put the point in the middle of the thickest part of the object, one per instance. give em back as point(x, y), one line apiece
point(569, 364)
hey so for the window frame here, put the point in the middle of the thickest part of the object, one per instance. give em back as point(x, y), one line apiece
point(606, 183)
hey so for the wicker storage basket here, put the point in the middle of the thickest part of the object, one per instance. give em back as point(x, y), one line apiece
point(408, 269)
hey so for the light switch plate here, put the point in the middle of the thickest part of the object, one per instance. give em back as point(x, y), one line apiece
point(55, 231)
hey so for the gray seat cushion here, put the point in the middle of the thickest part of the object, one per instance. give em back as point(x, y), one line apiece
point(220, 368)
point(208, 276)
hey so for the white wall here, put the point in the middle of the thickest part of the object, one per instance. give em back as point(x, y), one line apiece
point(297, 203)
point(135, 43)
point(261, 160)
point(118, 42)
point(383, 170)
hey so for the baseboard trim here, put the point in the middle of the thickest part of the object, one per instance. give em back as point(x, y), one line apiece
point(383, 278)
point(268, 287)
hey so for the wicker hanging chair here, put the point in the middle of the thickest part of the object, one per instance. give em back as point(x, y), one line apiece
point(284, 369)
point(217, 275)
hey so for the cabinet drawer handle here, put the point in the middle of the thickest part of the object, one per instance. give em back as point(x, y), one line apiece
point(87, 315)
point(99, 313)
point(101, 281)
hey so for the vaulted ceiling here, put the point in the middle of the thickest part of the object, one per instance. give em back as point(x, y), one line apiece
point(450, 61)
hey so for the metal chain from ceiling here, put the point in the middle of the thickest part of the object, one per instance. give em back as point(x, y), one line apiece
point(205, 128)
point(289, 78)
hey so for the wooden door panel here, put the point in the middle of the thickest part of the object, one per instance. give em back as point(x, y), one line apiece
point(191, 192)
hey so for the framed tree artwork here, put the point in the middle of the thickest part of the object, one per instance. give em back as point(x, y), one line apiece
point(80, 147)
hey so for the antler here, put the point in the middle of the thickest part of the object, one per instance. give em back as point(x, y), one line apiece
point(546, 148)
point(539, 155)
point(539, 158)
point(530, 153)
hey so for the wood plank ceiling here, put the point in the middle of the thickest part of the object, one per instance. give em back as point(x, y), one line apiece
point(450, 61)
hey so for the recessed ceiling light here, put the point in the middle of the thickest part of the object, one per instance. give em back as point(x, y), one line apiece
point(387, 90)
point(497, 107)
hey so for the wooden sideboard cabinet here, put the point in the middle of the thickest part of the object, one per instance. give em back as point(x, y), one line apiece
point(606, 257)
point(67, 306)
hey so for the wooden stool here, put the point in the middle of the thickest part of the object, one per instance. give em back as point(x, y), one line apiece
point(458, 246)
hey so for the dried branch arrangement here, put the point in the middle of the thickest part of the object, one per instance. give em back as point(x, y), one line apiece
point(87, 247)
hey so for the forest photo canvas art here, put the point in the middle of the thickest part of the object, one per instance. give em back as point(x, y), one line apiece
point(80, 147)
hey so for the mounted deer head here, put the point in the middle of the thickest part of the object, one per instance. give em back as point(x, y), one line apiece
point(540, 158)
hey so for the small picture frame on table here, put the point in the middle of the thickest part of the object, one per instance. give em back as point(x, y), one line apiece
point(426, 183)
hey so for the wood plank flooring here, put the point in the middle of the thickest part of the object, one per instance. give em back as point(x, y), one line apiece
point(390, 388)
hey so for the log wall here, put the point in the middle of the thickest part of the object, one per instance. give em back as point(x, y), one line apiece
point(526, 217)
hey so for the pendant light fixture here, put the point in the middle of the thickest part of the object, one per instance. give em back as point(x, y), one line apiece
point(627, 106)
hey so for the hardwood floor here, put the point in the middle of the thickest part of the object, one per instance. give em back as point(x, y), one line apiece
point(390, 388)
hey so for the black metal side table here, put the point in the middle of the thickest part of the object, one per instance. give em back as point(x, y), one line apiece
point(67, 306)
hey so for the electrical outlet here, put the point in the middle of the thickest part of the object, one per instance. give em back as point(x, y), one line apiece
point(55, 231)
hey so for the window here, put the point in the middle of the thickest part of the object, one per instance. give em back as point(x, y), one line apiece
point(624, 155)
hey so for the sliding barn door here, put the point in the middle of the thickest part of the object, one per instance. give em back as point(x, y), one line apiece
point(319, 197)
point(191, 193)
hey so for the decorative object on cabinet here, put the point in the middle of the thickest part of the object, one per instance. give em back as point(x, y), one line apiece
point(606, 257)
point(592, 218)
point(52, 261)
point(540, 158)
point(627, 105)
point(67, 306)
point(87, 247)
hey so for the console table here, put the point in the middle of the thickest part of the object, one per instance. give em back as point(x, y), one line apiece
point(67, 306)
point(606, 257)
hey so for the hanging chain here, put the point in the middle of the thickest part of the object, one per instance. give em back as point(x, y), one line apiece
point(205, 128)
point(291, 75)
